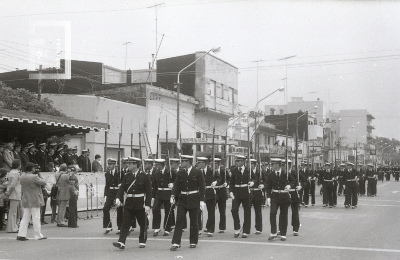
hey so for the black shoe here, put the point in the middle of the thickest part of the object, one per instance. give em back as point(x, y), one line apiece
point(192, 246)
point(174, 247)
point(271, 237)
point(61, 225)
point(283, 238)
point(119, 245)
point(22, 238)
point(108, 230)
point(295, 233)
point(44, 223)
point(209, 234)
point(236, 235)
point(166, 233)
point(42, 238)
point(141, 245)
point(155, 233)
point(221, 231)
point(244, 235)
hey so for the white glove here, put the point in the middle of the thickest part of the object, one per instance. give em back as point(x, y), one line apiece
point(213, 184)
point(118, 202)
point(105, 198)
point(152, 202)
point(261, 186)
point(251, 184)
point(147, 209)
point(232, 196)
point(268, 201)
point(170, 185)
point(298, 188)
point(119, 185)
point(225, 184)
point(172, 200)
point(202, 205)
point(287, 187)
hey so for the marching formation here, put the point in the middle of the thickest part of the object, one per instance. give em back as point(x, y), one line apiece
point(184, 187)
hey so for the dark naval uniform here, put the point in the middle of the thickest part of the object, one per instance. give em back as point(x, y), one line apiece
point(239, 186)
point(295, 199)
point(41, 160)
point(350, 178)
point(113, 180)
point(371, 176)
point(341, 181)
point(328, 176)
point(361, 182)
point(257, 198)
point(162, 195)
point(189, 186)
point(280, 198)
point(222, 197)
point(396, 173)
point(138, 196)
point(210, 196)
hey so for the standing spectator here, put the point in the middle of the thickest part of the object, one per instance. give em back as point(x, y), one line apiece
point(67, 157)
point(24, 156)
point(59, 157)
point(62, 178)
point(31, 153)
point(14, 195)
point(75, 154)
point(73, 199)
point(41, 157)
point(17, 152)
point(50, 160)
point(53, 196)
point(32, 199)
point(96, 165)
point(1, 154)
point(3, 187)
point(83, 161)
point(8, 156)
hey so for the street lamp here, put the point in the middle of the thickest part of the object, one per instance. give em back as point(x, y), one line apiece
point(286, 58)
point(178, 84)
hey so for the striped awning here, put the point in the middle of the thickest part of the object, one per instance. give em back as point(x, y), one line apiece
point(30, 122)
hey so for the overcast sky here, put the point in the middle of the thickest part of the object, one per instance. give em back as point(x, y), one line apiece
point(347, 52)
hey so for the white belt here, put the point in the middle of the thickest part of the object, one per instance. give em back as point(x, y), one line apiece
point(164, 189)
point(292, 190)
point(255, 189)
point(211, 187)
point(135, 195)
point(114, 188)
point(281, 191)
point(189, 192)
point(328, 180)
point(352, 180)
point(241, 185)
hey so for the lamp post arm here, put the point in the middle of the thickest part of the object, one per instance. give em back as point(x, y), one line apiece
point(179, 73)
point(279, 89)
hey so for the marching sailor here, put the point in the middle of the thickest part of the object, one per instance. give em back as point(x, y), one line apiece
point(136, 186)
point(350, 180)
point(257, 195)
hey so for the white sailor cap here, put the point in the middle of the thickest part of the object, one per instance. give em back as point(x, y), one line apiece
point(133, 160)
point(202, 159)
point(111, 161)
point(159, 160)
point(149, 160)
point(349, 163)
point(217, 159)
point(276, 160)
point(253, 161)
point(186, 157)
point(174, 160)
point(240, 158)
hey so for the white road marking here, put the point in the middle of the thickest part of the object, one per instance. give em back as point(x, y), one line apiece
point(237, 242)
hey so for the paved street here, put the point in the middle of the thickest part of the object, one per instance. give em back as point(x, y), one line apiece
point(369, 232)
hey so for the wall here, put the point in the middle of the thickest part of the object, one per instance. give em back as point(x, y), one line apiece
point(113, 75)
point(315, 132)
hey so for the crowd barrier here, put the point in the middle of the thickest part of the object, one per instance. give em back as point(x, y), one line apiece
point(91, 186)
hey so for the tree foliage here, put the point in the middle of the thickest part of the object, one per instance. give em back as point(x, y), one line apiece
point(22, 100)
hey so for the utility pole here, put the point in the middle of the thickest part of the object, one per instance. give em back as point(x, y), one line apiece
point(40, 83)
point(126, 51)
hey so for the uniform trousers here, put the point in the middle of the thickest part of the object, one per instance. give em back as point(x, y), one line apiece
point(12, 216)
point(180, 222)
point(43, 209)
point(53, 205)
point(334, 193)
point(247, 214)
point(351, 196)
point(23, 228)
point(340, 186)
point(106, 213)
point(73, 212)
point(222, 213)
point(168, 216)
point(210, 225)
point(328, 194)
point(306, 196)
point(295, 216)
point(361, 186)
point(127, 223)
point(283, 217)
point(257, 204)
point(371, 187)
point(312, 191)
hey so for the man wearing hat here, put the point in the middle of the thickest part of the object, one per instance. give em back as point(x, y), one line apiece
point(17, 151)
point(24, 156)
point(8, 156)
point(278, 184)
point(371, 176)
point(68, 157)
point(350, 180)
point(84, 162)
point(58, 160)
point(328, 177)
point(361, 181)
point(239, 189)
point(110, 192)
point(222, 194)
point(341, 178)
point(96, 164)
point(149, 167)
point(124, 170)
point(189, 185)
point(163, 182)
point(212, 180)
point(257, 195)
point(31, 153)
point(175, 163)
point(137, 188)
point(41, 157)
point(75, 156)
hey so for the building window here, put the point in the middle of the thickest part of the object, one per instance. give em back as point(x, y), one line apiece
point(281, 111)
point(198, 135)
point(235, 96)
point(218, 91)
point(212, 87)
point(230, 94)
point(208, 88)
point(226, 93)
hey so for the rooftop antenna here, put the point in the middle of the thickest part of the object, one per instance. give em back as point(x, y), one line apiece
point(126, 51)
point(155, 9)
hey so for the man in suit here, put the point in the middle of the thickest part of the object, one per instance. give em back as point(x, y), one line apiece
point(8, 156)
point(278, 184)
point(62, 181)
point(24, 156)
point(163, 182)
point(112, 177)
point(83, 161)
point(41, 157)
point(17, 151)
point(32, 199)
point(239, 189)
point(137, 186)
point(58, 160)
point(189, 186)
point(67, 157)
point(212, 180)
point(222, 195)
point(31, 153)
point(14, 195)
point(96, 164)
